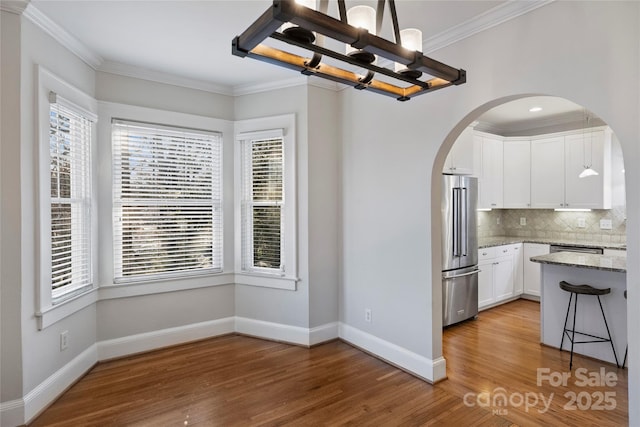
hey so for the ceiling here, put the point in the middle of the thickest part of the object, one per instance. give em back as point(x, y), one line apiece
point(191, 41)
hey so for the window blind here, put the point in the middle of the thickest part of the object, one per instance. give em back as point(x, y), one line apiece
point(263, 202)
point(70, 191)
point(167, 189)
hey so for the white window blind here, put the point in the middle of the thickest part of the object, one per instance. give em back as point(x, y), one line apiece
point(70, 191)
point(263, 201)
point(167, 189)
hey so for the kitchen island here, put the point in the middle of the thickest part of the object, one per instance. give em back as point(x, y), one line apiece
point(599, 271)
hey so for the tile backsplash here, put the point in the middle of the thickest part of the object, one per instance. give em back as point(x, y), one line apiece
point(547, 223)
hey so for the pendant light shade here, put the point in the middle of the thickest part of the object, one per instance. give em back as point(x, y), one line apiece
point(411, 39)
point(588, 171)
point(362, 17)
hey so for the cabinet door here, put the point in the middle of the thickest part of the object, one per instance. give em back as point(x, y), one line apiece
point(586, 149)
point(518, 269)
point(485, 284)
point(547, 173)
point(517, 174)
point(532, 269)
point(460, 159)
point(490, 183)
point(503, 278)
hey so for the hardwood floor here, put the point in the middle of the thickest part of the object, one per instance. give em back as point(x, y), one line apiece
point(240, 381)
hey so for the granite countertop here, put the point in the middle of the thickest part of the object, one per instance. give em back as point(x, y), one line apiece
point(486, 242)
point(572, 259)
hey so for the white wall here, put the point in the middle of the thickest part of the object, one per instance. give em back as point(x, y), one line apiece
point(277, 305)
point(10, 223)
point(586, 52)
point(324, 195)
point(41, 353)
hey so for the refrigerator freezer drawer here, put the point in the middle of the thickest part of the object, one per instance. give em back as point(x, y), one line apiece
point(459, 296)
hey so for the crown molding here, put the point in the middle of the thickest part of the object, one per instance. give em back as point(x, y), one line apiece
point(267, 86)
point(14, 6)
point(127, 70)
point(63, 37)
point(491, 18)
point(561, 122)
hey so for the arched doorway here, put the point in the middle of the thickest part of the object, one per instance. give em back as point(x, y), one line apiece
point(522, 220)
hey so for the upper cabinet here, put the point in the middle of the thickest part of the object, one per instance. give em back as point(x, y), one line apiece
point(460, 160)
point(547, 173)
point(517, 174)
point(490, 176)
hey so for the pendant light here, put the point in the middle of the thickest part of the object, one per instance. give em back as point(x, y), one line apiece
point(304, 24)
point(588, 169)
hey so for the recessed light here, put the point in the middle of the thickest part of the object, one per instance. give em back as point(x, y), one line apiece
point(535, 109)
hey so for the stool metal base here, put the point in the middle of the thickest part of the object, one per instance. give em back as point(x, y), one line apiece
point(572, 336)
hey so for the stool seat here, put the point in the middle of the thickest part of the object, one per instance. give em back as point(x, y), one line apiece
point(583, 289)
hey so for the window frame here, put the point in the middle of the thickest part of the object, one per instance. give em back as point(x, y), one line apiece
point(285, 277)
point(49, 310)
point(215, 203)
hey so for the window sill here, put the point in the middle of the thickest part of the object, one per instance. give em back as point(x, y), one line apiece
point(267, 281)
point(53, 314)
point(157, 286)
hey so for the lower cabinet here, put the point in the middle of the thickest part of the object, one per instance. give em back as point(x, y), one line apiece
point(532, 269)
point(500, 275)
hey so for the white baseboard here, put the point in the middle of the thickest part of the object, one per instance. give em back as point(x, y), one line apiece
point(147, 341)
point(287, 333)
point(323, 333)
point(12, 412)
point(427, 369)
point(47, 391)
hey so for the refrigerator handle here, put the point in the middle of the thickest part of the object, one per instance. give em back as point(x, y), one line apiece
point(456, 222)
point(464, 232)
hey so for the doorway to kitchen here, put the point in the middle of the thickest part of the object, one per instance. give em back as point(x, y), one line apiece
point(550, 172)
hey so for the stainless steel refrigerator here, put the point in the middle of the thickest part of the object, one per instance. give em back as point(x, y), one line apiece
point(459, 248)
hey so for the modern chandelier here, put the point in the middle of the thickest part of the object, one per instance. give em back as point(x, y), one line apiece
point(297, 23)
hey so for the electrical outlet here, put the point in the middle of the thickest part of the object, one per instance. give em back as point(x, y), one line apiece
point(64, 340)
point(498, 221)
point(605, 224)
point(523, 220)
point(367, 315)
point(581, 223)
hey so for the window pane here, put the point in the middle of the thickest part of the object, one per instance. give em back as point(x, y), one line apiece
point(167, 200)
point(267, 169)
point(70, 190)
point(266, 236)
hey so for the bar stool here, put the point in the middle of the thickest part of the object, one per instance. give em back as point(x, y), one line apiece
point(584, 290)
point(624, 361)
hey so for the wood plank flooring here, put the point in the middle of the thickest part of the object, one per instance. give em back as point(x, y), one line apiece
point(241, 381)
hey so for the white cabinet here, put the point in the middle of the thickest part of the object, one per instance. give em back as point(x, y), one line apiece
point(490, 174)
point(587, 149)
point(532, 269)
point(517, 174)
point(460, 160)
point(518, 269)
point(547, 173)
point(496, 277)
